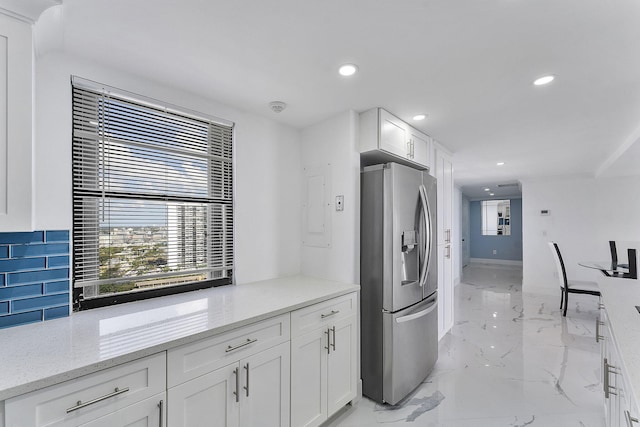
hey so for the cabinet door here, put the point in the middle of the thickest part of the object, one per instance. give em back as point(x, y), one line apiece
point(148, 413)
point(341, 365)
point(421, 147)
point(206, 400)
point(309, 379)
point(16, 71)
point(264, 388)
point(393, 135)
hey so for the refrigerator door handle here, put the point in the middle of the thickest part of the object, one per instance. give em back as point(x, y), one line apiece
point(419, 314)
point(426, 211)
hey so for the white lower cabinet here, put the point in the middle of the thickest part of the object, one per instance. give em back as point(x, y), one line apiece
point(148, 413)
point(619, 405)
point(323, 360)
point(89, 398)
point(252, 392)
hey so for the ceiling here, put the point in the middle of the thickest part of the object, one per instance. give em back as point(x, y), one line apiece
point(468, 64)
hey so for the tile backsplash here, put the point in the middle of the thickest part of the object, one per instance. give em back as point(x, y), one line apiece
point(34, 276)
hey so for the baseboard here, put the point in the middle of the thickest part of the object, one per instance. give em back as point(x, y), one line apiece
point(494, 261)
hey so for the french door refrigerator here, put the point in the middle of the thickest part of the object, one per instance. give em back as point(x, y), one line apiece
point(398, 279)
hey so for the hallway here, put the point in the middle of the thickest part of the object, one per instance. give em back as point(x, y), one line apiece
point(510, 360)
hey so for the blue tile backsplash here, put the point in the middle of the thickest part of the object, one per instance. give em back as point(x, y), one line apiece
point(34, 276)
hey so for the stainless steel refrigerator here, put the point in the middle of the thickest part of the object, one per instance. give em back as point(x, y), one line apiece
point(399, 280)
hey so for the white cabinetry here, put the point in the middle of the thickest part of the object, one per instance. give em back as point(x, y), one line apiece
point(386, 138)
point(16, 71)
point(86, 400)
point(443, 171)
point(323, 359)
point(240, 378)
point(619, 404)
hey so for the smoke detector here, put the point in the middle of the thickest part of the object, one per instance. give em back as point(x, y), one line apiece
point(277, 106)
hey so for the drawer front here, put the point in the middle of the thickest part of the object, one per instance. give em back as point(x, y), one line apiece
point(192, 360)
point(89, 397)
point(323, 313)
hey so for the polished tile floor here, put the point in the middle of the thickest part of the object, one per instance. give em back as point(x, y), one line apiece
point(510, 360)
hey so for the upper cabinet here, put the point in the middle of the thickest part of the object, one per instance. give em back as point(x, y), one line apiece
point(16, 71)
point(385, 138)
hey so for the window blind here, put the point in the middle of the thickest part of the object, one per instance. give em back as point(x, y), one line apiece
point(152, 195)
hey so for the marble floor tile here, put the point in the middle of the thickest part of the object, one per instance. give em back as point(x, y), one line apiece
point(510, 360)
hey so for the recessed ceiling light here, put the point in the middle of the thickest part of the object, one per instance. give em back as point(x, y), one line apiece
point(544, 80)
point(486, 189)
point(419, 117)
point(348, 70)
point(491, 194)
point(500, 163)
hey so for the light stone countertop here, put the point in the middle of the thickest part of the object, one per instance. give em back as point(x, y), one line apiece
point(42, 354)
point(620, 296)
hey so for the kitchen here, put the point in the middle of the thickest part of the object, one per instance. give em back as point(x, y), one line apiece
point(273, 150)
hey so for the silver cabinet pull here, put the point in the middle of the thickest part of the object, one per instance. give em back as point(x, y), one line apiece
point(328, 347)
point(247, 386)
point(237, 392)
point(161, 409)
point(630, 419)
point(605, 379)
point(81, 405)
point(598, 336)
point(334, 338)
point(333, 313)
point(247, 342)
point(409, 149)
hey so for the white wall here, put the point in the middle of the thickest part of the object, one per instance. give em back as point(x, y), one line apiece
point(267, 164)
point(335, 141)
point(585, 214)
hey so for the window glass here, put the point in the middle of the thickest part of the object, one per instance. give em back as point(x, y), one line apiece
point(152, 198)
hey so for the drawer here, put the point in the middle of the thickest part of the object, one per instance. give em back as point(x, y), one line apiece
point(201, 357)
point(93, 395)
point(323, 313)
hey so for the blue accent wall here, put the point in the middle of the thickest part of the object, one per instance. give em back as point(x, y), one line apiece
point(34, 276)
point(507, 247)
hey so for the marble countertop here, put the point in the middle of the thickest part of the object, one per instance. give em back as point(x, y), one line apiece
point(42, 354)
point(620, 296)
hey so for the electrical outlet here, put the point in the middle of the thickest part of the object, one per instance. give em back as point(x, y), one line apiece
point(495, 251)
point(339, 203)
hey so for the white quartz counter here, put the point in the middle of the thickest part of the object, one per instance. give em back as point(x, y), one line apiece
point(42, 354)
point(620, 296)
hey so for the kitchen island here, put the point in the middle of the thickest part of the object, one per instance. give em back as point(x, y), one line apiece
point(42, 355)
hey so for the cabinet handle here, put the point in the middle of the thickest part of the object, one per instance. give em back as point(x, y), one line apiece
point(328, 347)
point(333, 313)
point(409, 149)
point(237, 392)
point(161, 409)
point(81, 405)
point(247, 342)
point(630, 419)
point(609, 369)
point(605, 379)
point(598, 336)
point(334, 338)
point(247, 386)
point(600, 306)
point(448, 254)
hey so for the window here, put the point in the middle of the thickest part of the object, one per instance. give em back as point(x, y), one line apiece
point(152, 198)
point(496, 217)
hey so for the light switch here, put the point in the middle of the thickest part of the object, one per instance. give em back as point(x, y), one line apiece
point(339, 203)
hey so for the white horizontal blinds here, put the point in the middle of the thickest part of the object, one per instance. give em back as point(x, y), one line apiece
point(153, 195)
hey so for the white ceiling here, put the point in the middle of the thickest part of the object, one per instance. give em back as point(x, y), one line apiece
point(469, 64)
